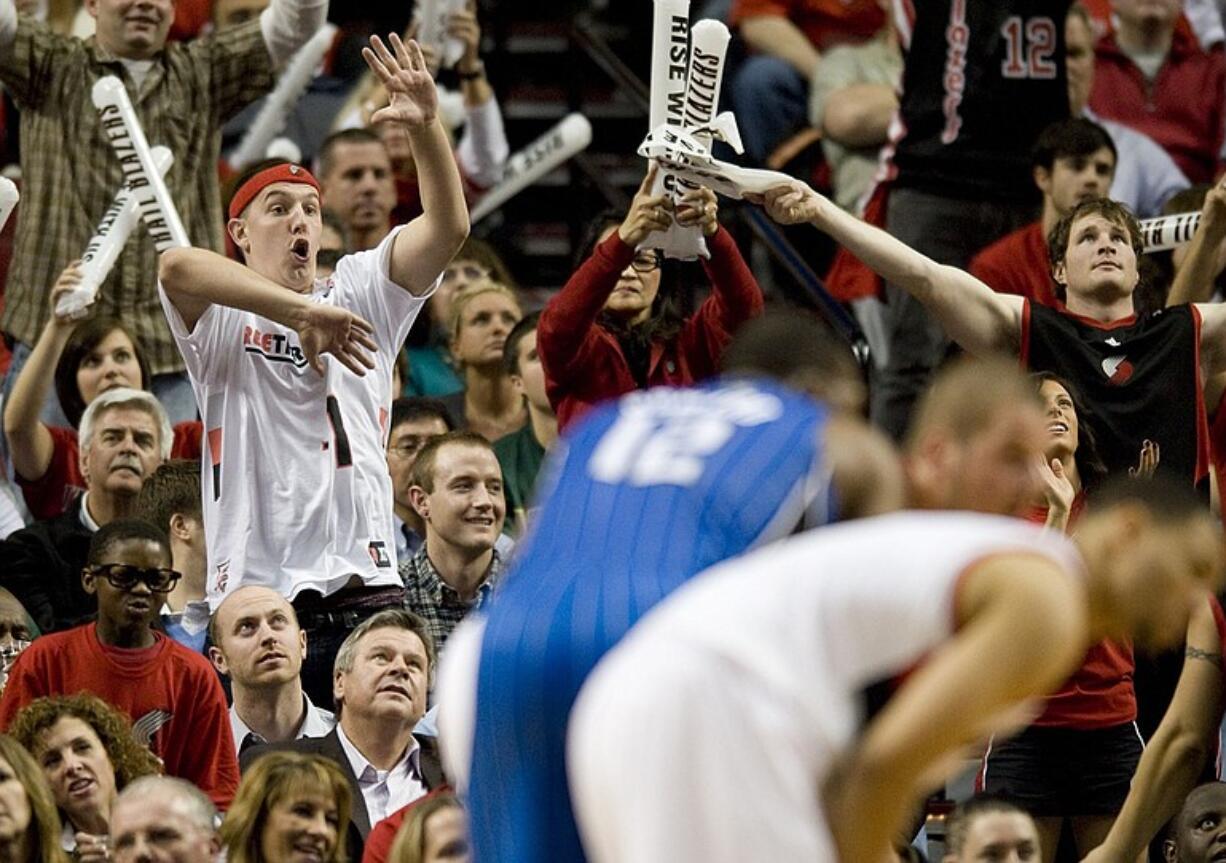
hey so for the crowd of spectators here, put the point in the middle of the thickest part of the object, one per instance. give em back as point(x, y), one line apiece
point(243, 511)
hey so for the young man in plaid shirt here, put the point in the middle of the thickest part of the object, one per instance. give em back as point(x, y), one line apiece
point(457, 490)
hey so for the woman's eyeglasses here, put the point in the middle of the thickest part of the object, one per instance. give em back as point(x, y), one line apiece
point(645, 262)
point(123, 576)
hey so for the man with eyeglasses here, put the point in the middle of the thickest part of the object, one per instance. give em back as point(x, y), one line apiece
point(415, 421)
point(172, 695)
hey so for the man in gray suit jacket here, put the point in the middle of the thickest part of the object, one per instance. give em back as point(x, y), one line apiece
point(380, 681)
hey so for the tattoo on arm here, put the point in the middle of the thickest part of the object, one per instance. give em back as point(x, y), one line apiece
point(1197, 653)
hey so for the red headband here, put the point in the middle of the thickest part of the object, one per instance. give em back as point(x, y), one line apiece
point(255, 184)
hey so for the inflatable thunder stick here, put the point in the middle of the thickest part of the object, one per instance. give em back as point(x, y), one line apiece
point(109, 238)
point(670, 52)
point(127, 138)
point(284, 96)
point(1166, 232)
point(432, 18)
point(536, 160)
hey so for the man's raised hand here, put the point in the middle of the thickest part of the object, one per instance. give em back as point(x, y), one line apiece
point(332, 330)
point(412, 97)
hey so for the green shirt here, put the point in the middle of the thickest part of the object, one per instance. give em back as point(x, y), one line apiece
point(520, 454)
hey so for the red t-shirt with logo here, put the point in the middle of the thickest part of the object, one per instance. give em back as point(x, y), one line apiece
point(172, 695)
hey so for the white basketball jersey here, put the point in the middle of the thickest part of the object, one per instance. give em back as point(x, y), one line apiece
point(294, 473)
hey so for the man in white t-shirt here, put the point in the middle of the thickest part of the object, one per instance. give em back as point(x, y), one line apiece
point(296, 492)
point(748, 678)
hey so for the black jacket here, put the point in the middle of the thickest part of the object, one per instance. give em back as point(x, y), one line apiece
point(41, 564)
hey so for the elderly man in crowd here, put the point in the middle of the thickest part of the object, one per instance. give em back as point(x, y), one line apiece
point(160, 819)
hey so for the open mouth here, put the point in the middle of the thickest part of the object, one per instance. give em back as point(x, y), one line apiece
point(480, 520)
point(80, 787)
point(397, 689)
point(272, 658)
point(308, 851)
point(301, 250)
point(1058, 428)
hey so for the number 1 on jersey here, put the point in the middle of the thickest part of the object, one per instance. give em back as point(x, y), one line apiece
point(344, 453)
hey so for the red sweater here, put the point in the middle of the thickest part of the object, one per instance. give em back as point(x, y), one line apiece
point(172, 695)
point(1018, 263)
point(1181, 110)
point(583, 361)
point(49, 495)
point(1100, 693)
point(378, 847)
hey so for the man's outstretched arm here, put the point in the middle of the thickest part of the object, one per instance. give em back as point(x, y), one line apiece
point(428, 243)
point(976, 317)
point(194, 279)
point(1176, 753)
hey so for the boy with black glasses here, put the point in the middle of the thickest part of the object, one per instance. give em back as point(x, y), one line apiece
point(172, 695)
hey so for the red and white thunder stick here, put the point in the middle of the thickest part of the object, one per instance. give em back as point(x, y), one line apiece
point(109, 238)
point(123, 129)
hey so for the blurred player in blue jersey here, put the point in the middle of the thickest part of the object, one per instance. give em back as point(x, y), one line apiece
point(644, 493)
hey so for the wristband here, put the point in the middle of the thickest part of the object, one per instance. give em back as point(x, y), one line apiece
point(478, 72)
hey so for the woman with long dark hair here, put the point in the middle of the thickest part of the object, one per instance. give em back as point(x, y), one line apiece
point(1075, 762)
point(614, 326)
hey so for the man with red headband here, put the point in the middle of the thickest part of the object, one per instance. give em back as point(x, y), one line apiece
point(293, 378)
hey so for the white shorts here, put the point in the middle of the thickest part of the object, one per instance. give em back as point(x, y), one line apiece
point(677, 757)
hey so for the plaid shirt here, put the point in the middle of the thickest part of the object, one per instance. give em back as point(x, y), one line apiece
point(71, 174)
point(428, 595)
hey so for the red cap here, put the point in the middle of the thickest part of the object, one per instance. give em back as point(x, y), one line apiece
point(285, 173)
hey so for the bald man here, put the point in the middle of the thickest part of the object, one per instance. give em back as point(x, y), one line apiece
point(160, 819)
point(259, 645)
point(1198, 834)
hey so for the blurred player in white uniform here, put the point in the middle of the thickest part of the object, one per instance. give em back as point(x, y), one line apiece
point(739, 694)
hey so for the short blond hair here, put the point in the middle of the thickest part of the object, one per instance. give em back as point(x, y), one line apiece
point(470, 292)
